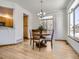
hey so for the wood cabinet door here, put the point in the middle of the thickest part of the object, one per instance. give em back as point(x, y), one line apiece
point(9, 22)
point(2, 19)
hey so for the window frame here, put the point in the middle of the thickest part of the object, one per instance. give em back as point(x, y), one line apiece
point(47, 23)
point(74, 19)
point(72, 10)
point(69, 22)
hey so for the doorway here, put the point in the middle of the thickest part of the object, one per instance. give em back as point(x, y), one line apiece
point(25, 24)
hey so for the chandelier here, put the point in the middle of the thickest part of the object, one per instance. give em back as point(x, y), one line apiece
point(41, 14)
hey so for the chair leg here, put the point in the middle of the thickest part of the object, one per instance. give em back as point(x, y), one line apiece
point(39, 45)
point(51, 44)
point(33, 44)
point(30, 41)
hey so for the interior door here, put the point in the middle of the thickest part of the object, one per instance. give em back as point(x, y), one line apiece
point(25, 26)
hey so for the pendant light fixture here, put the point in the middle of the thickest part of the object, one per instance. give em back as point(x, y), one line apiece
point(41, 14)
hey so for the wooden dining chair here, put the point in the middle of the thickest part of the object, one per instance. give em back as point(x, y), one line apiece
point(36, 38)
point(51, 38)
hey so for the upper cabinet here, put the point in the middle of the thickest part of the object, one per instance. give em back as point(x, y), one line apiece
point(6, 17)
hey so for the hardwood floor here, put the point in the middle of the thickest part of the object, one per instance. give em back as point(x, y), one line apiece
point(24, 51)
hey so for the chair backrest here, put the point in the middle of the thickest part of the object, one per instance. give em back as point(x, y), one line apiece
point(44, 31)
point(52, 34)
point(30, 33)
point(35, 33)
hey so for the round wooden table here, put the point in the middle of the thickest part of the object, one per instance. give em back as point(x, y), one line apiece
point(42, 36)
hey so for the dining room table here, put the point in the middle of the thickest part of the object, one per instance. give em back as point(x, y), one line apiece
point(42, 36)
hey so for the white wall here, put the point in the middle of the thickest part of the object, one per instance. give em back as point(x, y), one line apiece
point(35, 21)
point(7, 36)
point(59, 25)
point(18, 15)
point(15, 35)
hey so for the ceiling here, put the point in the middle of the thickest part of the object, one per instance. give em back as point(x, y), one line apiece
point(48, 5)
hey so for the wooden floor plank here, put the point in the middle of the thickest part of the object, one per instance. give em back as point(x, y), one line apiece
point(24, 51)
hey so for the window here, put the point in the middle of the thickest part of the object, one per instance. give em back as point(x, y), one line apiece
point(74, 22)
point(48, 24)
point(76, 11)
point(71, 24)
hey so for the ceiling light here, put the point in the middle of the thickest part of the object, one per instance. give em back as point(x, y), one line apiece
point(41, 14)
